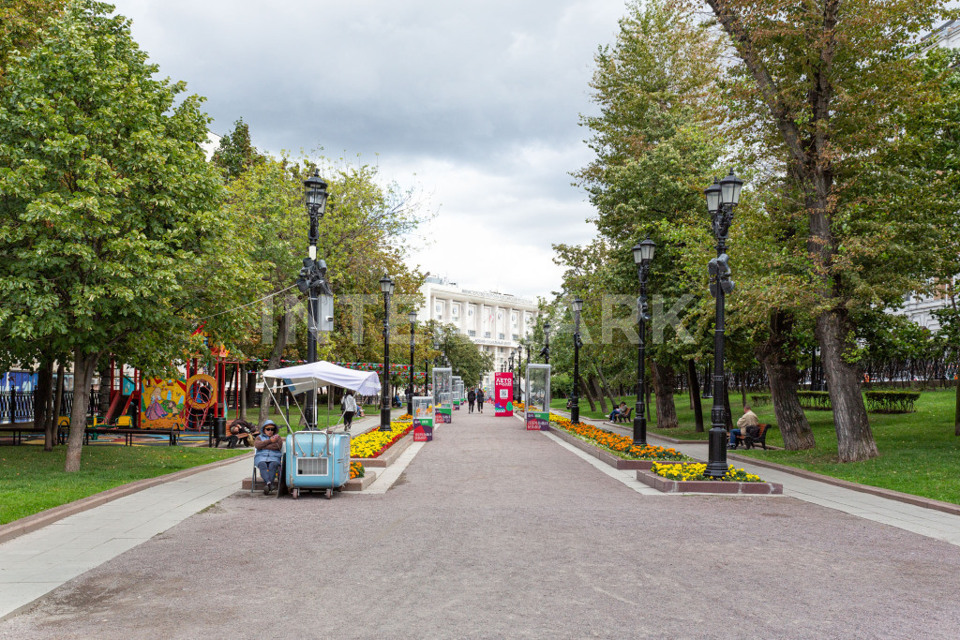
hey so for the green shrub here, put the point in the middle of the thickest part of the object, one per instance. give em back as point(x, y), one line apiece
point(815, 400)
point(891, 401)
point(760, 399)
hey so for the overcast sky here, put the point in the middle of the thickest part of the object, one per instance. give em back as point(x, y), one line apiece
point(474, 103)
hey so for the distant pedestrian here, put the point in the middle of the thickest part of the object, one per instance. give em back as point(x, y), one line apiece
point(471, 398)
point(480, 399)
point(349, 410)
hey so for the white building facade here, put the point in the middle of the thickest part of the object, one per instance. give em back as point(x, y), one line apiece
point(496, 322)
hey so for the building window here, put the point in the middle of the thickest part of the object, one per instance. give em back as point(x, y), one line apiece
point(472, 333)
point(514, 319)
point(470, 309)
point(486, 334)
point(455, 310)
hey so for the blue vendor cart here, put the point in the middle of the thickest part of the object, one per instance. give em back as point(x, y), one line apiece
point(315, 461)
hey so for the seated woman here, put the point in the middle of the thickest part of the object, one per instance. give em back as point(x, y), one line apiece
point(267, 459)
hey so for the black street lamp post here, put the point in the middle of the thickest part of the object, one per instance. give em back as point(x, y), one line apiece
point(412, 316)
point(312, 280)
point(386, 286)
point(575, 395)
point(722, 197)
point(642, 257)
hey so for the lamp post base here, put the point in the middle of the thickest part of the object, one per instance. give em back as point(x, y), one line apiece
point(574, 409)
point(385, 419)
point(639, 429)
point(717, 465)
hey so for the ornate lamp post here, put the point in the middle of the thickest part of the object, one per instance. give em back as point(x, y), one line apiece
point(722, 197)
point(312, 280)
point(642, 256)
point(412, 317)
point(386, 286)
point(577, 343)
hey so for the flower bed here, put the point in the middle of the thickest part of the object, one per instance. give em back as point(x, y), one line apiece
point(405, 417)
point(357, 470)
point(696, 471)
point(621, 446)
point(690, 478)
point(373, 443)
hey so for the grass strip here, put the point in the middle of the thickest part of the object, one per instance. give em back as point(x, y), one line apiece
point(33, 480)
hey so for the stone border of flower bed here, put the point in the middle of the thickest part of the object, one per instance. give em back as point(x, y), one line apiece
point(603, 455)
point(709, 486)
point(354, 484)
point(389, 456)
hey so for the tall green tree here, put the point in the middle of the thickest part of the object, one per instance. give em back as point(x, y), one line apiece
point(655, 148)
point(820, 93)
point(107, 205)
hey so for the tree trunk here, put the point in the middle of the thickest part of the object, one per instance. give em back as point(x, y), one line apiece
point(84, 366)
point(606, 387)
point(586, 393)
point(854, 437)
point(48, 443)
point(784, 379)
point(792, 421)
point(663, 378)
point(242, 407)
point(278, 347)
point(695, 395)
point(726, 401)
point(41, 394)
point(598, 394)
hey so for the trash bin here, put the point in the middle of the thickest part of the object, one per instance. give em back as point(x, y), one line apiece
point(219, 430)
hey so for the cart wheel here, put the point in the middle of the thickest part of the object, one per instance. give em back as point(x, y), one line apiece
point(329, 493)
point(294, 493)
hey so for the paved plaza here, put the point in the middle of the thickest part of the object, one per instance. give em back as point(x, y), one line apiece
point(489, 531)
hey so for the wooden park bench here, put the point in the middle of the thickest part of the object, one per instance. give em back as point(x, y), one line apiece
point(749, 441)
point(17, 429)
point(124, 427)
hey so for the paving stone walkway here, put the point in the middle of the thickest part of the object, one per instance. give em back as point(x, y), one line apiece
point(493, 532)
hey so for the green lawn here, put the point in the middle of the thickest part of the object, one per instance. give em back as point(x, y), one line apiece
point(32, 480)
point(918, 452)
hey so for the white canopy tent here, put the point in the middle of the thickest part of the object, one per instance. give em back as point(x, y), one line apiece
point(304, 377)
point(313, 375)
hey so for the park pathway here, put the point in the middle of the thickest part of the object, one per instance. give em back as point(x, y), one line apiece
point(495, 532)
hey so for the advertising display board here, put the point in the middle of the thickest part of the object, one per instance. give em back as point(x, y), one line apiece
point(503, 394)
point(457, 392)
point(537, 394)
point(422, 418)
point(442, 392)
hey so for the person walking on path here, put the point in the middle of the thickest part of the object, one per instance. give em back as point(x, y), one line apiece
point(267, 458)
point(480, 399)
point(349, 410)
point(471, 398)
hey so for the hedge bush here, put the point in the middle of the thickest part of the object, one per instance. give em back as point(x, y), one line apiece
point(759, 399)
point(815, 400)
point(891, 401)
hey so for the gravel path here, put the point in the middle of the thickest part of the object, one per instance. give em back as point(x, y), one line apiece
point(495, 532)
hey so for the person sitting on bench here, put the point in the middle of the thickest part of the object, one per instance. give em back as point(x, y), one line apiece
point(268, 456)
point(748, 419)
point(618, 411)
point(241, 433)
